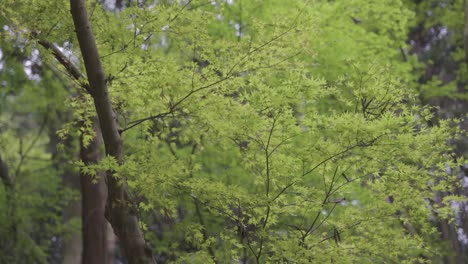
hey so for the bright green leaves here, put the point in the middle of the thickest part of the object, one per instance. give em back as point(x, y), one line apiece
point(268, 132)
point(370, 34)
point(296, 140)
point(440, 48)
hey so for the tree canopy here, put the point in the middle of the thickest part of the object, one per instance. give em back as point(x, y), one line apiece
point(233, 131)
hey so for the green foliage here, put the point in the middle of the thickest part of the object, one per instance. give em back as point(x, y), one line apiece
point(440, 24)
point(292, 137)
point(31, 223)
point(33, 205)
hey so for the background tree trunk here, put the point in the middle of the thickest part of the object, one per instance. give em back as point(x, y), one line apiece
point(72, 246)
point(465, 31)
point(8, 237)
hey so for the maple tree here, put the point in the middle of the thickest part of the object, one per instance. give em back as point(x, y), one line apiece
point(261, 132)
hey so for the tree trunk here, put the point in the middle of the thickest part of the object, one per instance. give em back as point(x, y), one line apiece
point(72, 247)
point(94, 195)
point(8, 240)
point(122, 218)
point(465, 32)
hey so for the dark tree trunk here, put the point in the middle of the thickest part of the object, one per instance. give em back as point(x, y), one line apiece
point(122, 218)
point(94, 195)
point(73, 246)
point(465, 31)
point(8, 237)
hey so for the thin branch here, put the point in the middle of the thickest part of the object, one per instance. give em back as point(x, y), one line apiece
point(180, 11)
point(202, 222)
point(199, 89)
point(74, 72)
point(348, 228)
point(311, 230)
point(324, 161)
point(283, 190)
point(5, 175)
point(329, 158)
point(346, 183)
point(139, 121)
point(327, 196)
point(24, 154)
point(271, 66)
point(361, 144)
point(267, 158)
point(249, 244)
point(124, 47)
point(259, 48)
point(267, 161)
point(172, 107)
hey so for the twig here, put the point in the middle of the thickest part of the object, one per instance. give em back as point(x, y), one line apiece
point(69, 66)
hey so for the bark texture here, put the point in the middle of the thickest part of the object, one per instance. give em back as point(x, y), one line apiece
point(94, 195)
point(122, 218)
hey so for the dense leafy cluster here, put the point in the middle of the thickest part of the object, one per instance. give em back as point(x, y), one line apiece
point(261, 131)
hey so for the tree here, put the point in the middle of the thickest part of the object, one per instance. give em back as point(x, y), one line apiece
point(122, 218)
point(259, 132)
point(436, 37)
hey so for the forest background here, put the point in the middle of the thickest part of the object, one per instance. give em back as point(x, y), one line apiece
point(209, 131)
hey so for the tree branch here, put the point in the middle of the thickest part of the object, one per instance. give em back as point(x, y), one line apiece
point(74, 72)
point(5, 174)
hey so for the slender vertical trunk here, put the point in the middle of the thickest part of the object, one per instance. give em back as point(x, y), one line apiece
point(72, 246)
point(123, 219)
point(9, 236)
point(119, 4)
point(94, 195)
point(112, 248)
point(465, 32)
